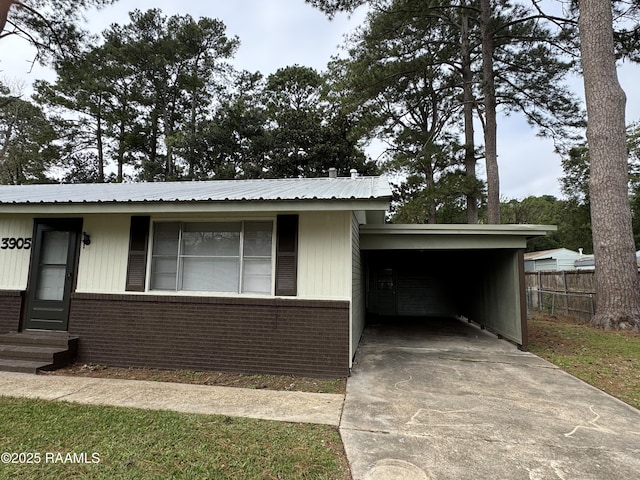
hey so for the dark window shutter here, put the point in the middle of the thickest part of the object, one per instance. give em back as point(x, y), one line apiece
point(287, 256)
point(138, 244)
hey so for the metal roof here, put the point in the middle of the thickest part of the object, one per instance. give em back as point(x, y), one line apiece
point(549, 254)
point(341, 188)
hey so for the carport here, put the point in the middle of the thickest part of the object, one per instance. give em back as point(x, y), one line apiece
point(470, 271)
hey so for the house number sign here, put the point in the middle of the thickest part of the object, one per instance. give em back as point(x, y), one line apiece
point(11, 243)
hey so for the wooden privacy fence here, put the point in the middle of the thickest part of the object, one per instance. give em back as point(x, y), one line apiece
point(569, 293)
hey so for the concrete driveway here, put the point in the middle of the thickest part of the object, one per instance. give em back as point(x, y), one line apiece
point(442, 399)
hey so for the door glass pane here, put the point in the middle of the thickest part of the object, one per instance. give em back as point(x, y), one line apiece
point(53, 266)
point(55, 246)
point(51, 282)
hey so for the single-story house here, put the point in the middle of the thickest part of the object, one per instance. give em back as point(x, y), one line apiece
point(557, 259)
point(263, 276)
point(585, 262)
point(588, 262)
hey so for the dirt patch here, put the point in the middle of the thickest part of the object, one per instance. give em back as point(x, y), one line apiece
point(221, 379)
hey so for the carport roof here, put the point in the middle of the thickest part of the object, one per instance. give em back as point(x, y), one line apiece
point(448, 237)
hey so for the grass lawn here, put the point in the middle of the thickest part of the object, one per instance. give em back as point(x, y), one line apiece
point(607, 360)
point(144, 444)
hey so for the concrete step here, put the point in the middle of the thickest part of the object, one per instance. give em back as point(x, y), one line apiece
point(28, 352)
point(58, 339)
point(36, 350)
point(22, 366)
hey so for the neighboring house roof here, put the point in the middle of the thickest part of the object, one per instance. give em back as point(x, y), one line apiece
point(342, 188)
point(585, 261)
point(590, 261)
point(548, 254)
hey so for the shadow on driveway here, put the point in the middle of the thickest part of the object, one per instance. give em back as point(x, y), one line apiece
point(442, 399)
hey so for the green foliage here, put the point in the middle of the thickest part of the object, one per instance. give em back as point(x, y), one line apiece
point(572, 215)
point(575, 185)
point(26, 149)
point(52, 26)
point(572, 219)
point(178, 65)
point(158, 101)
point(408, 79)
point(308, 133)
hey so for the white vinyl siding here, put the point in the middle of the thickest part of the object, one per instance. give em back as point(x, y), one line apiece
point(324, 255)
point(102, 266)
point(14, 262)
point(227, 257)
point(357, 287)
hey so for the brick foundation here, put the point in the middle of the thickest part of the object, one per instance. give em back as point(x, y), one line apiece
point(10, 308)
point(278, 336)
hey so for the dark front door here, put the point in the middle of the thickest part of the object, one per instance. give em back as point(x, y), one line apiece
point(53, 266)
point(384, 292)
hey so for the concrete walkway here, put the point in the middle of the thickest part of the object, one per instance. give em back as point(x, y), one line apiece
point(448, 401)
point(321, 408)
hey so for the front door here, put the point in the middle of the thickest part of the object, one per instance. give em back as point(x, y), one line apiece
point(53, 265)
point(384, 290)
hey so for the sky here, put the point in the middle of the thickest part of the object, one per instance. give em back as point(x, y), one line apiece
point(278, 33)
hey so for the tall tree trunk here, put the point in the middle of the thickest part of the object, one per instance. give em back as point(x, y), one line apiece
point(121, 148)
point(191, 155)
point(5, 6)
point(100, 145)
point(468, 104)
point(617, 286)
point(432, 212)
point(168, 134)
point(490, 128)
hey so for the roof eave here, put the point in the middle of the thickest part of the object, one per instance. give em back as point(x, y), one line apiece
point(212, 206)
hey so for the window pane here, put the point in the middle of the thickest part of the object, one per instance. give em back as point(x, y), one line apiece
point(166, 238)
point(165, 256)
point(211, 239)
point(257, 275)
point(210, 274)
point(257, 239)
point(205, 256)
point(163, 273)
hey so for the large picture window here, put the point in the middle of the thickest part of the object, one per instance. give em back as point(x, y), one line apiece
point(213, 257)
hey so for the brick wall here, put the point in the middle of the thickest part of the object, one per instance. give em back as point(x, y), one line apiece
point(10, 307)
point(278, 336)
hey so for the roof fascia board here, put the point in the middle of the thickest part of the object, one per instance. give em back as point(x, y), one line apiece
point(197, 207)
point(464, 230)
point(440, 242)
point(448, 237)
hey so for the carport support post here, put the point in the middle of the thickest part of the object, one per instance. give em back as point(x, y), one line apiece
point(523, 302)
point(539, 292)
